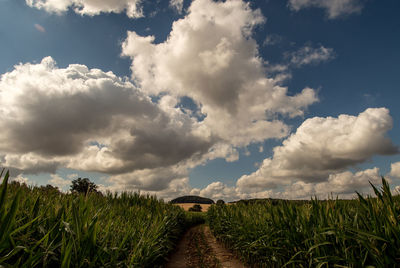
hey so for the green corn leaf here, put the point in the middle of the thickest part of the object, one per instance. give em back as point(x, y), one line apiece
point(3, 190)
point(9, 218)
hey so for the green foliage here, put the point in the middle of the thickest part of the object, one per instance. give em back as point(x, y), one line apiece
point(83, 186)
point(49, 189)
point(194, 218)
point(220, 202)
point(42, 227)
point(195, 208)
point(352, 233)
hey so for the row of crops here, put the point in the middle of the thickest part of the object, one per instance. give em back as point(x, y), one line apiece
point(45, 228)
point(339, 233)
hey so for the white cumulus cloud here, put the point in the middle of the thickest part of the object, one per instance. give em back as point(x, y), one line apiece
point(211, 57)
point(132, 8)
point(21, 179)
point(58, 181)
point(217, 190)
point(395, 170)
point(334, 8)
point(321, 147)
point(90, 120)
point(341, 184)
point(397, 190)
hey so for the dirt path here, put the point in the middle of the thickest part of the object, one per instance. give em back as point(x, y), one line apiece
point(199, 248)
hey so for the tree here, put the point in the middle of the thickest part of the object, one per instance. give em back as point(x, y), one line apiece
point(220, 202)
point(195, 208)
point(49, 189)
point(83, 186)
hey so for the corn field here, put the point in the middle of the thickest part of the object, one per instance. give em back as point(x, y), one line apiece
point(334, 233)
point(40, 228)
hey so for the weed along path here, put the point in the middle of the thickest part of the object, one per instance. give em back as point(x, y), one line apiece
point(199, 248)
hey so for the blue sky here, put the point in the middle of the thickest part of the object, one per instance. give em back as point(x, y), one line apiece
point(187, 130)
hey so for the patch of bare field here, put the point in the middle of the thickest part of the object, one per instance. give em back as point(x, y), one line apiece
point(199, 249)
point(186, 206)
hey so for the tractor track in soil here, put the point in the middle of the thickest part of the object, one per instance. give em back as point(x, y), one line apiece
point(199, 249)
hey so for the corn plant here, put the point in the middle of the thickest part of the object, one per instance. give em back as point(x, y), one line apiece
point(342, 233)
point(46, 228)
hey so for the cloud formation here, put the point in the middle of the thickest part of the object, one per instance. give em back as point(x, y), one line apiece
point(272, 39)
point(342, 184)
point(309, 55)
point(176, 5)
point(58, 181)
point(397, 190)
point(90, 120)
point(67, 117)
point(333, 8)
point(156, 179)
point(217, 190)
point(321, 147)
point(211, 57)
point(21, 179)
point(132, 8)
point(395, 170)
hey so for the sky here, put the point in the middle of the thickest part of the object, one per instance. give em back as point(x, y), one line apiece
point(224, 99)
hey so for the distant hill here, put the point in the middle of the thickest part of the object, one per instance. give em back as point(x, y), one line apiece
point(192, 199)
point(273, 201)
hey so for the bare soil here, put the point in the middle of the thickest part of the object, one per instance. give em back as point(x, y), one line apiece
point(199, 249)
